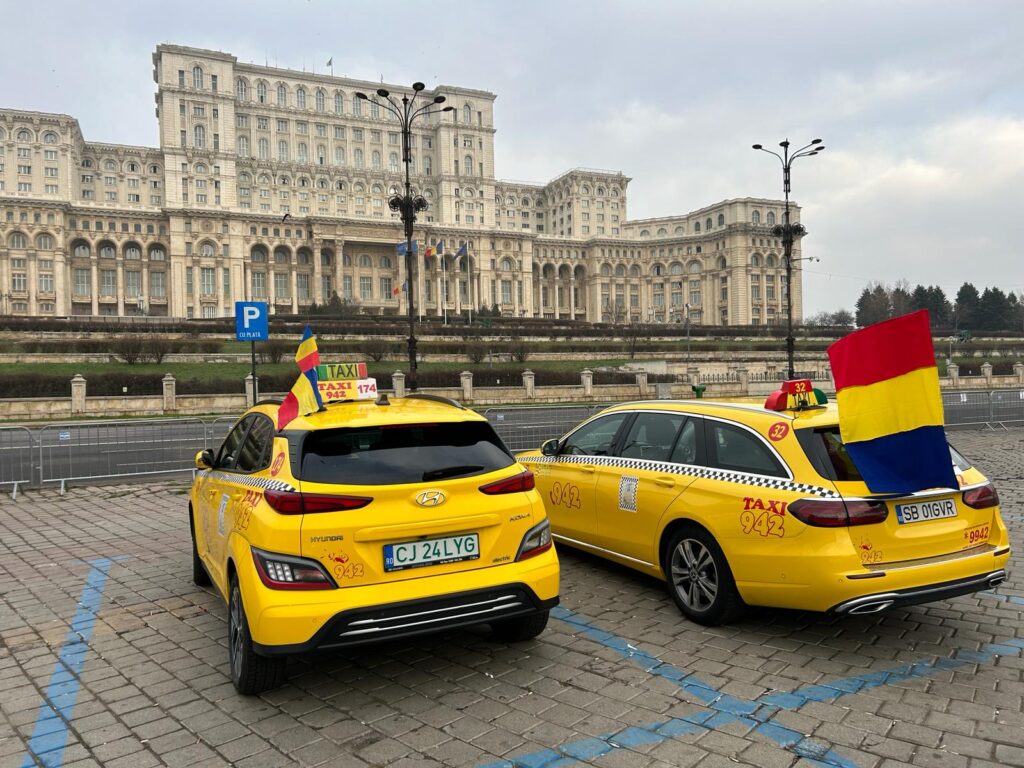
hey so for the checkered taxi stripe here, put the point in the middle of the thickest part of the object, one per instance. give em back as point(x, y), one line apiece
point(688, 470)
point(263, 483)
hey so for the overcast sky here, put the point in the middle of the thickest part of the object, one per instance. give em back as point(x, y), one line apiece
point(921, 104)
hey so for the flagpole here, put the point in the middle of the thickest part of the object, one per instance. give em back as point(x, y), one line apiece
point(469, 264)
point(444, 282)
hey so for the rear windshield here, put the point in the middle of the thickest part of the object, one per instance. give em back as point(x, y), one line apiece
point(402, 453)
point(825, 449)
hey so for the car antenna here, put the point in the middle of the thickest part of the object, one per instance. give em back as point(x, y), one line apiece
point(382, 399)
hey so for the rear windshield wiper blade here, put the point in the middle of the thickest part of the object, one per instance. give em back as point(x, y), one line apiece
point(462, 469)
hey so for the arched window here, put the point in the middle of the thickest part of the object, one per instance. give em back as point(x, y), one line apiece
point(132, 251)
point(721, 263)
point(676, 268)
point(469, 165)
point(323, 184)
point(261, 92)
point(207, 250)
point(770, 261)
point(721, 219)
point(385, 262)
point(694, 268)
point(339, 155)
point(358, 154)
point(339, 102)
point(109, 165)
point(755, 260)
point(107, 251)
point(200, 169)
point(374, 108)
point(24, 135)
point(326, 257)
point(132, 166)
point(620, 270)
point(364, 261)
point(696, 226)
point(303, 181)
point(506, 264)
point(393, 162)
point(200, 137)
point(678, 231)
point(44, 242)
point(263, 149)
point(156, 253)
point(357, 107)
point(346, 260)
point(49, 138)
point(282, 151)
point(300, 98)
point(81, 251)
point(645, 233)
point(282, 96)
point(662, 231)
point(241, 90)
point(259, 254)
point(771, 217)
point(707, 224)
point(321, 154)
point(243, 146)
point(304, 256)
point(281, 255)
point(320, 101)
point(197, 77)
point(375, 160)
point(428, 166)
point(606, 270)
point(467, 114)
point(756, 217)
point(303, 155)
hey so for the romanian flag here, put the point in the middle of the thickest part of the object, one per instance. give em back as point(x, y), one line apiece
point(890, 405)
point(305, 395)
point(430, 251)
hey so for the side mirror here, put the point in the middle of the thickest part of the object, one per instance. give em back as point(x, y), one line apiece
point(204, 459)
point(549, 447)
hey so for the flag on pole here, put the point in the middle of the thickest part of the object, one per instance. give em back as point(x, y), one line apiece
point(402, 247)
point(330, 62)
point(395, 291)
point(440, 247)
point(429, 251)
point(462, 251)
point(304, 397)
point(890, 405)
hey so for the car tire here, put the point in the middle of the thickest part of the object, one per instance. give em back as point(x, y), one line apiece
point(250, 672)
point(520, 628)
point(199, 575)
point(699, 578)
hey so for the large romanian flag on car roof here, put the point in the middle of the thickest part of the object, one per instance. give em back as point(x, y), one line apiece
point(305, 395)
point(890, 405)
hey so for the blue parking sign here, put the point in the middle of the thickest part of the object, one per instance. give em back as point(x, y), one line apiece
point(251, 321)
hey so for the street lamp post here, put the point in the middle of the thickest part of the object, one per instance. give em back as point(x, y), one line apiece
point(407, 204)
point(788, 231)
point(686, 319)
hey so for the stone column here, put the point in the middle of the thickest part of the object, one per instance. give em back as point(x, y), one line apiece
point(250, 400)
point(986, 371)
point(169, 393)
point(572, 298)
point(398, 383)
point(78, 394)
point(953, 370)
point(693, 374)
point(528, 378)
point(641, 382)
point(744, 377)
point(1018, 371)
point(467, 385)
point(587, 380)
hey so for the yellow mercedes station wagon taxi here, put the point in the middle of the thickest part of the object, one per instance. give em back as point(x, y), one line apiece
point(732, 503)
point(363, 522)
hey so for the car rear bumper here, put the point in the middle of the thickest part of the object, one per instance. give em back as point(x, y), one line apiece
point(882, 601)
point(409, 618)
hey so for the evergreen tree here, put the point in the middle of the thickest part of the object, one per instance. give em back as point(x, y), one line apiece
point(873, 305)
point(899, 299)
point(968, 305)
point(995, 313)
point(938, 306)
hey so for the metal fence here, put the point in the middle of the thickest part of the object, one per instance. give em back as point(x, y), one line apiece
point(16, 444)
point(85, 451)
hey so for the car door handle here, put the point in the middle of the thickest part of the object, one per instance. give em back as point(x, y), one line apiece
point(588, 469)
point(667, 482)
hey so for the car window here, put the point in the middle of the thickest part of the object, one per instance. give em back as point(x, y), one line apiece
point(737, 449)
point(595, 438)
point(685, 451)
point(229, 449)
point(255, 452)
point(402, 453)
point(651, 436)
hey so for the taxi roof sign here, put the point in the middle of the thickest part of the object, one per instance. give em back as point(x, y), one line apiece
point(795, 395)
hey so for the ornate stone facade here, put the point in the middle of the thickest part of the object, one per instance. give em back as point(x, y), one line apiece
point(271, 184)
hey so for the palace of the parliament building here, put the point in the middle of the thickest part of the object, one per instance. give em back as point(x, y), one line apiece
point(271, 184)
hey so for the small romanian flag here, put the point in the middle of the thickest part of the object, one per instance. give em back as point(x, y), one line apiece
point(305, 395)
point(430, 251)
point(890, 406)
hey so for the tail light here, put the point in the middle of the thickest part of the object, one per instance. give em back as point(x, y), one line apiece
point(295, 503)
point(514, 484)
point(982, 497)
point(838, 513)
point(288, 572)
point(536, 541)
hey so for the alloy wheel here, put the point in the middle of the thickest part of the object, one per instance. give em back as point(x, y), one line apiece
point(694, 575)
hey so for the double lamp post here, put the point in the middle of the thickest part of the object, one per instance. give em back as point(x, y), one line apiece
point(408, 205)
point(788, 232)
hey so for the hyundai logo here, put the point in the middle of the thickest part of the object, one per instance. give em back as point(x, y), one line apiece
point(430, 498)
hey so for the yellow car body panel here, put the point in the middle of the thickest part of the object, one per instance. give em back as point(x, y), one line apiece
point(233, 518)
point(625, 508)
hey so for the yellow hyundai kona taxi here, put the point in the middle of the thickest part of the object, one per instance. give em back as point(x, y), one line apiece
point(367, 521)
point(736, 504)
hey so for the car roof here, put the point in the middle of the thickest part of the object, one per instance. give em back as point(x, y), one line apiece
point(414, 409)
point(746, 410)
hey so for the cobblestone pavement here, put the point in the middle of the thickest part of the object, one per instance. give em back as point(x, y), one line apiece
point(98, 615)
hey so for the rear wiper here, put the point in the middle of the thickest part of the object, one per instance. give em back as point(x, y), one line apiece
point(437, 474)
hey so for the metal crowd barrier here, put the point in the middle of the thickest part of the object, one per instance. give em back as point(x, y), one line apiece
point(987, 410)
point(528, 427)
point(16, 451)
point(104, 450)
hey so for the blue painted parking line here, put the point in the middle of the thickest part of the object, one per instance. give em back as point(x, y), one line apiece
point(1003, 598)
point(724, 709)
point(50, 736)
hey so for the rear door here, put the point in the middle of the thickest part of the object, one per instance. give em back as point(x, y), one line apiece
point(926, 524)
point(417, 508)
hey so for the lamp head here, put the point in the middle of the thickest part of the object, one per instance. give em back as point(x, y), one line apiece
point(439, 99)
point(816, 141)
point(784, 144)
point(448, 109)
point(758, 146)
point(361, 95)
point(418, 87)
point(419, 203)
point(395, 203)
point(383, 92)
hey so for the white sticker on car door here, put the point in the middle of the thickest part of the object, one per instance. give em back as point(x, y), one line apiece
point(220, 513)
point(627, 493)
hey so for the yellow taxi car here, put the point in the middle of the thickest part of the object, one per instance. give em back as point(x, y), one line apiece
point(367, 521)
point(735, 504)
